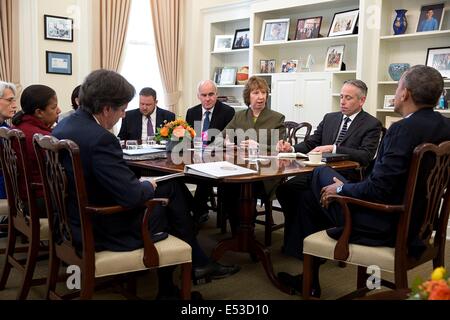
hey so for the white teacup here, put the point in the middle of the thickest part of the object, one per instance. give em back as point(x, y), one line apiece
point(315, 157)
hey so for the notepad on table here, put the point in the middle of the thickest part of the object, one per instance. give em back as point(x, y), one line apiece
point(220, 169)
point(292, 155)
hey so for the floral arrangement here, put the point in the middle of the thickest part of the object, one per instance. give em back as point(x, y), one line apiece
point(438, 288)
point(174, 130)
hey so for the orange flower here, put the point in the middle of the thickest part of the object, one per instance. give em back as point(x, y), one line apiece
point(439, 290)
point(179, 132)
point(164, 132)
point(192, 132)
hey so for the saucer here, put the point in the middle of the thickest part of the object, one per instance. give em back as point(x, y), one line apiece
point(314, 164)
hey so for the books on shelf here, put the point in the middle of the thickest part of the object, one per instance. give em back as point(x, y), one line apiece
point(216, 170)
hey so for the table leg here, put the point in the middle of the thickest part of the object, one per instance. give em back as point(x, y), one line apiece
point(244, 240)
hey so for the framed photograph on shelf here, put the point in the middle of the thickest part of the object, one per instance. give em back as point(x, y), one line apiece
point(439, 58)
point(343, 23)
point(430, 18)
point(223, 43)
point(308, 28)
point(289, 66)
point(389, 101)
point(217, 74)
point(58, 28)
point(228, 76)
point(333, 60)
point(275, 30)
point(267, 66)
point(59, 62)
point(241, 39)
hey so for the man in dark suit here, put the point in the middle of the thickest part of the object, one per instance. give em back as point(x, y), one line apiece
point(208, 119)
point(104, 96)
point(351, 131)
point(417, 94)
point(140, 123)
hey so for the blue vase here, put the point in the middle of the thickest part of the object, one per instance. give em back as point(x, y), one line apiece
point(400, 22)
point(397, 69)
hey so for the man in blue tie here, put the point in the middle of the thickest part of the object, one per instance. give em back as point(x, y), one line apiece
point(141, 123)
point(350, 131)
point(208, 118)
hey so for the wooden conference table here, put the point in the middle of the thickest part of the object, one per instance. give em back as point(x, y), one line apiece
point(267, 168)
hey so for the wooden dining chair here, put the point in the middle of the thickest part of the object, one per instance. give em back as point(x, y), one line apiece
point(292, 128)
point(423, 216)
point(23, 219)
point(94, 265)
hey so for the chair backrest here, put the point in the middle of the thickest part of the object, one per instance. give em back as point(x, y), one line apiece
point(292, 129)
point(23, 212)
point(52, 155)
point(427, 204)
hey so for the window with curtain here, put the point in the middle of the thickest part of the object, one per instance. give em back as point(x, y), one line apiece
point(140, 65)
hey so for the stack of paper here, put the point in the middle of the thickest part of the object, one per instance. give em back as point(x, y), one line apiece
point(292, 155)
point(217, 170)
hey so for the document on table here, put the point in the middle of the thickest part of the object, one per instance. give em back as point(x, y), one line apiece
point(217, 170)
point(292, 155)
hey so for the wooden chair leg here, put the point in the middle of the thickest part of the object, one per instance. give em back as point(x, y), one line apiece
point(52, 278)
point(307, 275)
point(9, 252)
point(87, 286)
point(401, 279)
point(29, 267)
point(361, 277)
point(186, 271)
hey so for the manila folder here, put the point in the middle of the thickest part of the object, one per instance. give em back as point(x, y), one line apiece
point(217, 170)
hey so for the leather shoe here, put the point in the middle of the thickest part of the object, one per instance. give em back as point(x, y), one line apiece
point(296, 283)
point(213, 270)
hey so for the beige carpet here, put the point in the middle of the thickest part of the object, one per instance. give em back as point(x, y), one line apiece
point(250, 283)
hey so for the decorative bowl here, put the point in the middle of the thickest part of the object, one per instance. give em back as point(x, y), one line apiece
point(397, 69)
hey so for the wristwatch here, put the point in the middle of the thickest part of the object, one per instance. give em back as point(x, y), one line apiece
point(339, 189)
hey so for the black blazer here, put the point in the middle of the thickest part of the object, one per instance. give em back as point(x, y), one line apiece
point(360, 142)
point(387, 181)
point(131, 128)
point(109, 181)
point(221, 116)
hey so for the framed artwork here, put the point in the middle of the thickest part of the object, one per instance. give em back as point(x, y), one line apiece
point(228, 76)
point(430, 18)
point(59, 62)
point(308, 28)
point(275, 30)
point(389, 101)
point(439, 58)
point(289, 66)
point(241, 39)
point(343, 23)
point(267, 66)
point(223, 43)
point(333, 60)
point(217, 74)
point(58, 28)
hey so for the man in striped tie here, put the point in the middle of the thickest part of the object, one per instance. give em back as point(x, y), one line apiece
point(350, 131)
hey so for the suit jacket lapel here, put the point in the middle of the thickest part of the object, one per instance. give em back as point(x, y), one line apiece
point(138, 126)
point(357, 122)
point(334, 128)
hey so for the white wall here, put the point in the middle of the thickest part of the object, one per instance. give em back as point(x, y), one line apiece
point(33, 45)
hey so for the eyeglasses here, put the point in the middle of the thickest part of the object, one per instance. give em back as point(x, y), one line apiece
point(11, 100)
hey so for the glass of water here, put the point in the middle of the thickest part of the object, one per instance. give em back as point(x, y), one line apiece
point(253, 152)
point(151, 140)
point(131, 144)
point(198, 143)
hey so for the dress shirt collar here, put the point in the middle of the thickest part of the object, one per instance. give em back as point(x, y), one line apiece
point(210, 111)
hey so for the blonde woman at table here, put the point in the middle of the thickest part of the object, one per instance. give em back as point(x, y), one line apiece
point(258, 127)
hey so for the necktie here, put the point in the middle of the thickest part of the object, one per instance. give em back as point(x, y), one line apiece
point(150, 131)
point(343, 131)
point(206, 121)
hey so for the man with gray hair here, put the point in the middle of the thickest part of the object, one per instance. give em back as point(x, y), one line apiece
point(350, 131)
point(208, 119)
point(8, 108)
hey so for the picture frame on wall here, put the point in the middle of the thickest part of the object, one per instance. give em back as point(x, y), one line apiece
point(58, 28)
point(439, 58)
point(58, 62)
point(430, 18)
point(275, 30)
point(344, 23)
point(241, 39)
point(308, 28)
point(223, 43)
point(389, 101)
point(334, 58)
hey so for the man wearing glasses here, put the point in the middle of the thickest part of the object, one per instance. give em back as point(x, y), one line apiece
point(8, 108)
